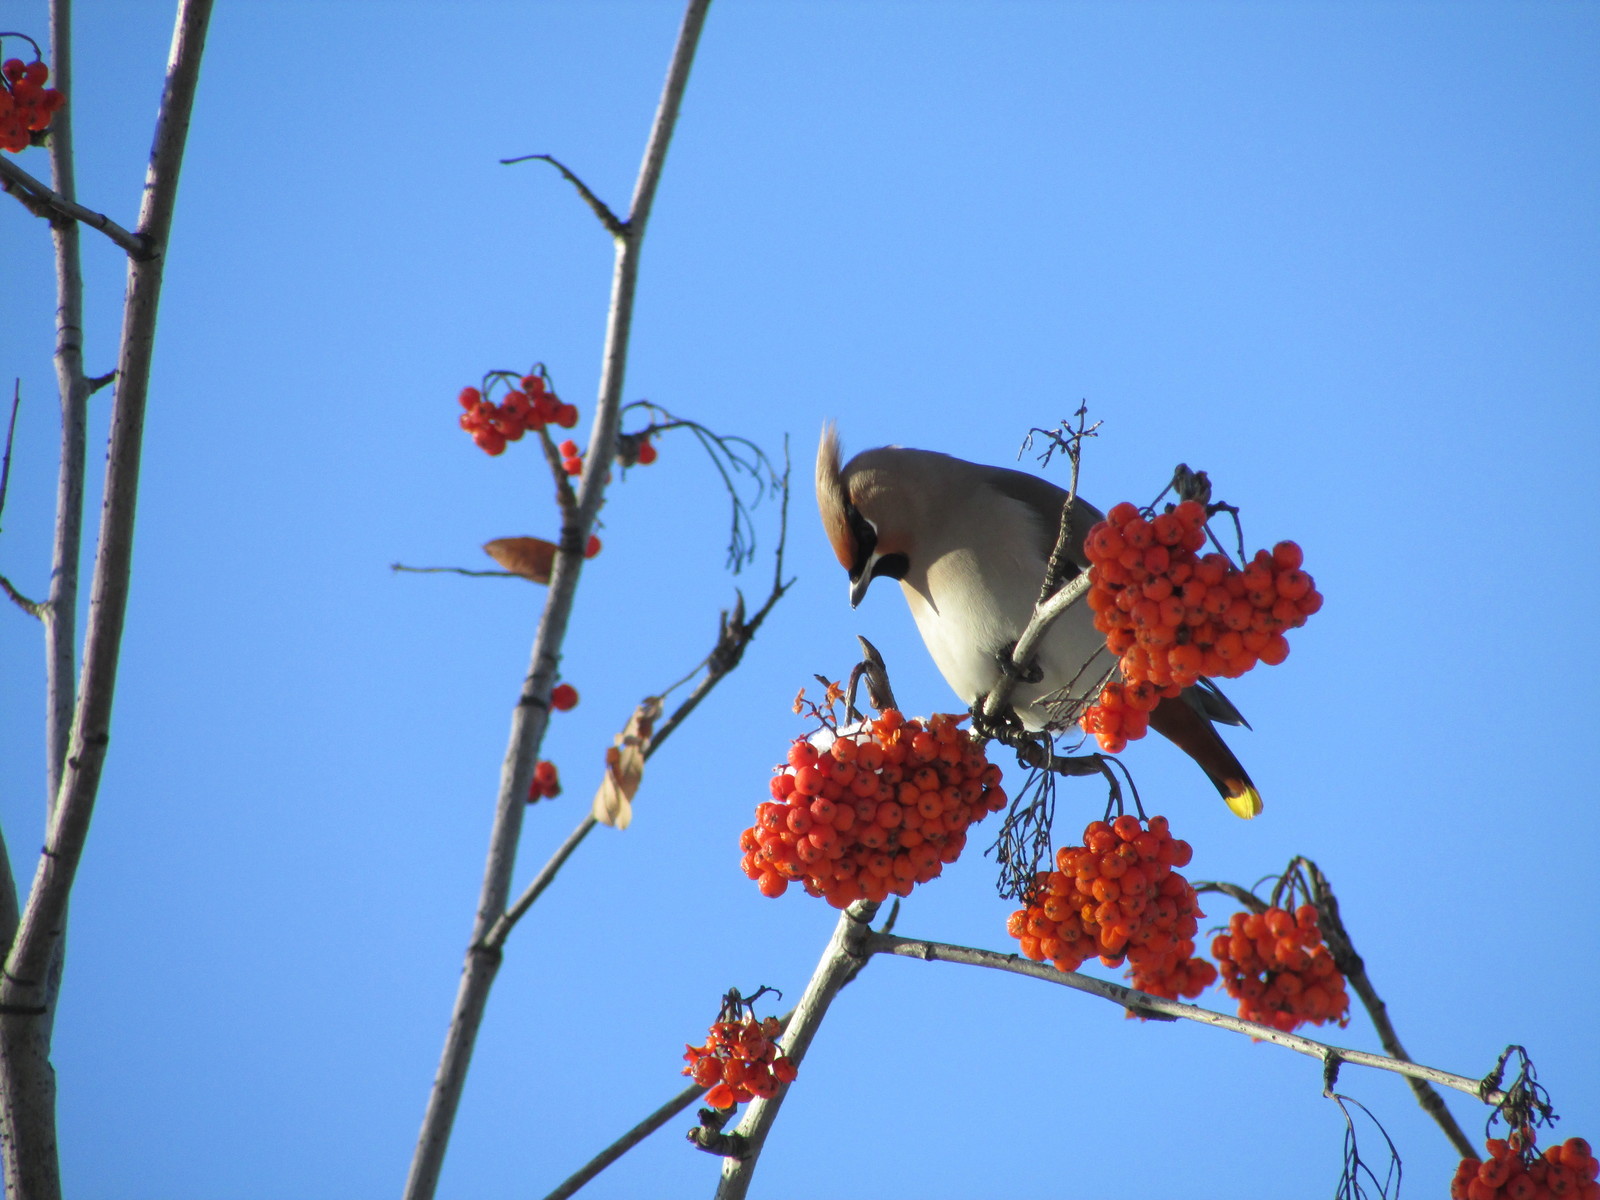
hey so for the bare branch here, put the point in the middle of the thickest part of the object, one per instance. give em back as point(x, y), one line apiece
point(734, 636)
point(454, 571)
point(43, 202)
point(32, 607)
point(1337, 938)
point(614, 227)
point(841, 961)
point(77, 752)
point(1142, 1002)
point(532, 711)
point(11, 433)
point(683, 1100)
point(1052, 602)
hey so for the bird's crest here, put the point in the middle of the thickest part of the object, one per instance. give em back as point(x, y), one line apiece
point(832, 499)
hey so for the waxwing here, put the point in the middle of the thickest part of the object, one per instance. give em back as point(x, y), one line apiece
point(969, 544)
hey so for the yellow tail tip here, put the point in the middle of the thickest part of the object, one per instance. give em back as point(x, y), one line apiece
point(1246, 802)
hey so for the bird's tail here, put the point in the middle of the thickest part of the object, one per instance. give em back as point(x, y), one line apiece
point(1186, 727)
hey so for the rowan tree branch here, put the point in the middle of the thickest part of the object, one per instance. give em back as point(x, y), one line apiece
point(1337, 938)
point(55, 207)
point(1053, 600)
point(32, 607)
point(1144, 1004)
point(682, 1101)
point(531, 714)
point(734, 636)
point(616, 228)
point(77, 750)
point(841, 961)
point(455, 571)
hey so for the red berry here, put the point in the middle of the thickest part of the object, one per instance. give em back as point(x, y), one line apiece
point(563, 697)
point(647, 454)
point(469, 397)
point(593, 547)
point(568, 449)
point(566, 415)
point(572, 466)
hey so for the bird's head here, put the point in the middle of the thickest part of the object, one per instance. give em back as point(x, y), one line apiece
point(869, 512)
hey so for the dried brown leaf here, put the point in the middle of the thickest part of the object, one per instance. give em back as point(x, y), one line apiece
point(530, 557)
point(613, 803)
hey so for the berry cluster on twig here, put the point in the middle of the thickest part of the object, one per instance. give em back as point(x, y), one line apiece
point(26, 105)
point(1172, 616)
point(883, 807)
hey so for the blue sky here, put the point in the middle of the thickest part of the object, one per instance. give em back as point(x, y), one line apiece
point(1346, 258)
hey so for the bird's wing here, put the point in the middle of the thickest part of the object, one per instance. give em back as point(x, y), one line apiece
point(1209, 701)
point(1045, 499)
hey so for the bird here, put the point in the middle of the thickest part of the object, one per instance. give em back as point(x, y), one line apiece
point(968, 544)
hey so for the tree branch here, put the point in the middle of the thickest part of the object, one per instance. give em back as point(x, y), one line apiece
point(1051, 602)
point(532, 711)
point(608, 218)
point(32, 607)
point(735, 635)
point(42, 201)
point(1351, 965)
point(1141, 1002)
point(841, 961)
point(33, 964)
point(683, 1100)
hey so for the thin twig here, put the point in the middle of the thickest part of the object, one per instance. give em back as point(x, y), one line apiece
point(11, 433)
point(683, 1100)
point(615, 227)
point(531, 714)
point(841, 961)
point(878, 943)
point(1052, 601)
point(1337, 938)
point(456, 571)
point(32, 607)
point(42, 201)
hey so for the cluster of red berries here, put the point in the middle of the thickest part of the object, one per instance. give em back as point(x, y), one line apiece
point(740, 1060)
point(1172, 616)
point(546, 781)
point(564, 697)
point(882, 809)
point(1515, 1170)
point(528, 406)
point(1117, 896)
point(1275, 965)
point(571, 457)
point(26, 105)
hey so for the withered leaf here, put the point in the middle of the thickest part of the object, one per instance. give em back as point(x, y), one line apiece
point(613, 803)
point(530, 557)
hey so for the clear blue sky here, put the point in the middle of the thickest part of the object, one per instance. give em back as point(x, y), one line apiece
point(1344, 257)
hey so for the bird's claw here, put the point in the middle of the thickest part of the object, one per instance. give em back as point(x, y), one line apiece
point(1032, 673)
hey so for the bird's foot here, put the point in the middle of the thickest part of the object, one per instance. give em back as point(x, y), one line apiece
point(1032, 673)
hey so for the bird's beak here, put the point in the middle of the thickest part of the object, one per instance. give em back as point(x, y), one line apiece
point(859, 583)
